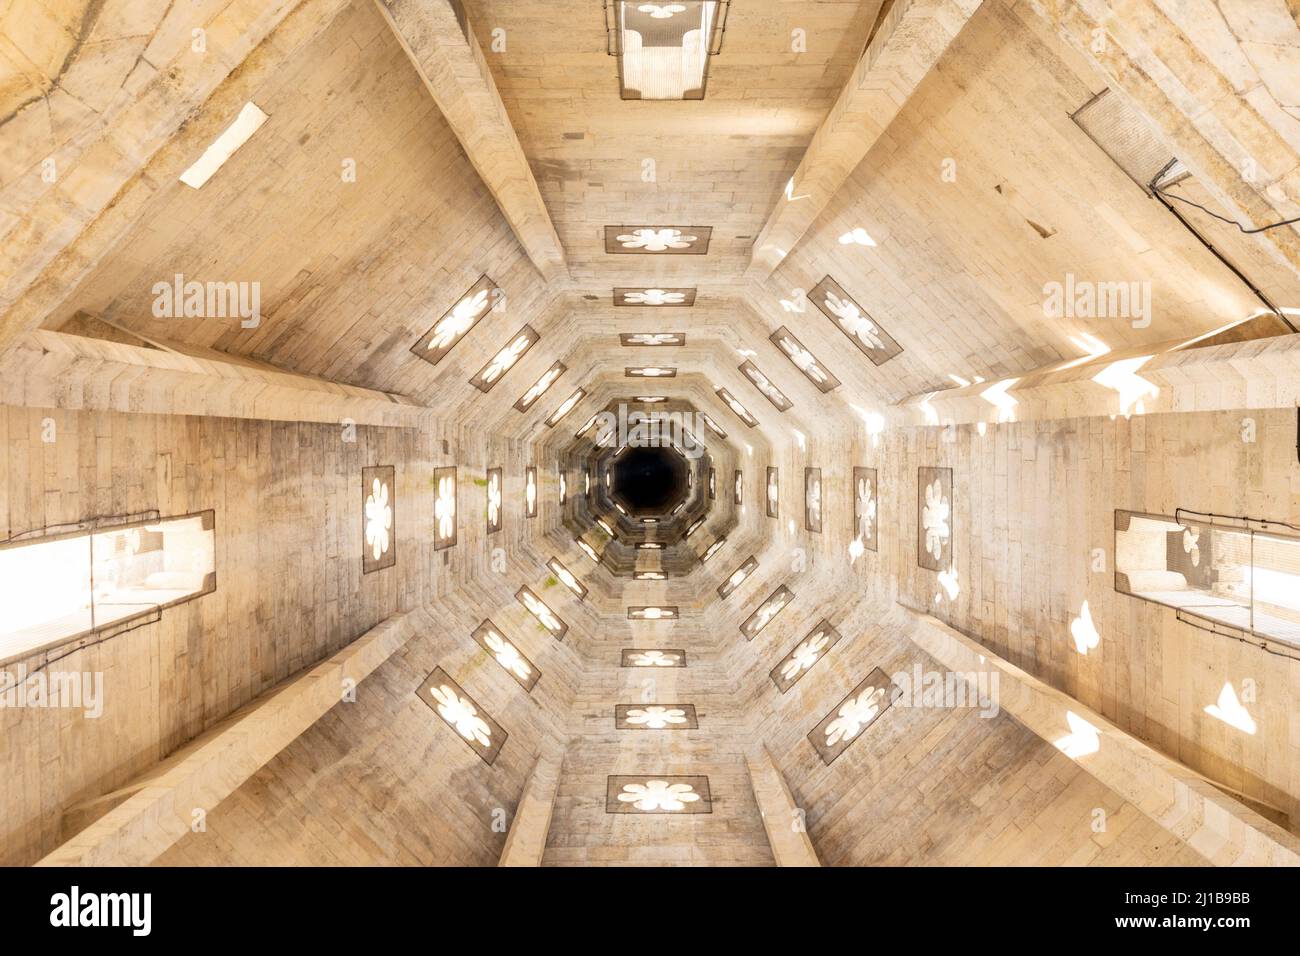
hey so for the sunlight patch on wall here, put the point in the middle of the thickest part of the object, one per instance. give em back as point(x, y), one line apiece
point(1132, 388)
point(996, 395)
point(1084, 631)
point(248, 122)
point(857, 237)
point(1082, 740)
point(1231, 711)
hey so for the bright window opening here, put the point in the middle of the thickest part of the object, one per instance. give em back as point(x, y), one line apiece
point(1223, 570)
point(60, 588)
point(664, 48)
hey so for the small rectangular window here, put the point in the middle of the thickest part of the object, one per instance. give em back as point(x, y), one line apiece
point(63, 587)
point(1228, 571)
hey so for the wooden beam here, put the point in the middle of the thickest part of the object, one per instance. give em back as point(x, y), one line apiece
point(440, 42)
point(1215, 825)
point(908, 42)
point(526, 841)
point(157, 809)
point(58, 370)
point(1168, 377)
point(55, 234)
point(781, 817)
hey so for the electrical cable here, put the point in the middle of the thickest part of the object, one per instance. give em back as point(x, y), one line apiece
point(1182, 615)
point(1164, 199)
point(1231, 222)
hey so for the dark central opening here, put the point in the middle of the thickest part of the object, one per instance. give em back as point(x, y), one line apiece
point(649, 480)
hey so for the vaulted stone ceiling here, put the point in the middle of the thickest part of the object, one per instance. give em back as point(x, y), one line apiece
point(921, 154)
